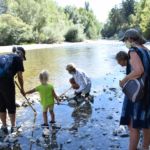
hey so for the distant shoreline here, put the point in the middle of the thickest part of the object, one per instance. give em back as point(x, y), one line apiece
point(6, 49)
point(28, 47)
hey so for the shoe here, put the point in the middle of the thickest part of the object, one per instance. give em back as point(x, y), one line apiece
point(44, 125)
point(52, 122)
point(13, 129)
point(4, 129)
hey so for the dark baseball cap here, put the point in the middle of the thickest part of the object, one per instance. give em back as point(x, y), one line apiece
point(15, 49)
point(135, 35)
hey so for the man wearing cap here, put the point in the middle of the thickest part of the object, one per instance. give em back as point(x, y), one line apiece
point(14, 64)
point(80, 82)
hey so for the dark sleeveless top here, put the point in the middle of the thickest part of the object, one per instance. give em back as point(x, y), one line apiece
point(138, 113)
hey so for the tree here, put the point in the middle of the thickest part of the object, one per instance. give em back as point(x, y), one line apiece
point(120, 19)
point(86, 18)
point(13, 30)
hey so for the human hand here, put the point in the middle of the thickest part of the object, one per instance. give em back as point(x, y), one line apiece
point(58, 102)
point(121, 83)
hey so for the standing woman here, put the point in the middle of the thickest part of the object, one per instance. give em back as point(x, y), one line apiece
point(137, 115)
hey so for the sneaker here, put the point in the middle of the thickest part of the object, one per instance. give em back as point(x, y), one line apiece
point(4, 129)
point(52, 122)
point(13, 129)
point(44, 125)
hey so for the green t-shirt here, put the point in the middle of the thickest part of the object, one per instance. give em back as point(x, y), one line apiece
point(46, 94)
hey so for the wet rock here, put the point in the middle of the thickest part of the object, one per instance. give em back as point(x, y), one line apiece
point(45, 145)
point(96, 109)
point(69, 141)
point(3, 145)
point(113, 89)
point(32, 140)
point(124, 135)
point(110, 99)
point(72, 103)
point(18, 104)
point(121, 131)
point(114, 139)
point(104, 133)
point(109, 117)
point(38, 141)
point(115, 133)
point(104, 90)
point(115, 146)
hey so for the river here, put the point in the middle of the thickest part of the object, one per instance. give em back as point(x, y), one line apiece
point(92, 128)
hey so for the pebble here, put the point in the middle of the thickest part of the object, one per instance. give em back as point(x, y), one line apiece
point(110, 117)
point(69, 141)
point(32, 140)
point(113, 89)
point(104, 133)
point(110, 99)
point(124, 135)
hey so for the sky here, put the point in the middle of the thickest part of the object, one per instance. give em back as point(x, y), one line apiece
point(101, 8)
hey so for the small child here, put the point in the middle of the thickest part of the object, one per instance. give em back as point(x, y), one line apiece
point(47, 95)
point(122, 58)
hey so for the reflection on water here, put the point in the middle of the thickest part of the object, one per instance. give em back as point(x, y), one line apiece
point(81, 116)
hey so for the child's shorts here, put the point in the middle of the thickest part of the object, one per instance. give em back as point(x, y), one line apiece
point(49, 107)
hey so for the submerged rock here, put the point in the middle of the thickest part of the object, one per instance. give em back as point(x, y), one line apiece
point(109, 117)
point(113, 89)
point(18, 104)
point(121, 131)
point(72, 103)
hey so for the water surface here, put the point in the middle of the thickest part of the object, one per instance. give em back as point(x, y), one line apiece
point(90, 128)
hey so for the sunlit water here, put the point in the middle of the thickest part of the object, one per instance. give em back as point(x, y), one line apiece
point(93, 131)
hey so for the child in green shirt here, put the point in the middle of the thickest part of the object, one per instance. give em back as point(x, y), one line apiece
point(47, 95)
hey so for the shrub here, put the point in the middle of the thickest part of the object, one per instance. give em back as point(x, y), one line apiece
point(74, 34)
point(13, 30)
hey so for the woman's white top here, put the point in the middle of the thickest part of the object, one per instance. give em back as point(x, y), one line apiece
point(81, 79)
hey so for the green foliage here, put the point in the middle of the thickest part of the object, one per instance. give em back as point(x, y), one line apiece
point(86, 18)
point(131, 14)
point(119, 19)
point(43, 21)
point(144, 16)
point(74, 34)
point(13, 30)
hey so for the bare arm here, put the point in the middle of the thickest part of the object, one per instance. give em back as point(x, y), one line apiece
point(137, 67)
point(55, 96)
point(21, 82)
point(31, 91)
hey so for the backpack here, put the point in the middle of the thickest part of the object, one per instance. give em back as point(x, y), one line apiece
point(5, 65)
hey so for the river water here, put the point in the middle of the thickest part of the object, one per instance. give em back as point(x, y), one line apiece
point(92, 127)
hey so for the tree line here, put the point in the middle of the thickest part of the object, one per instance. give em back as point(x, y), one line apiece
point(129, 14)
point(43, 21)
